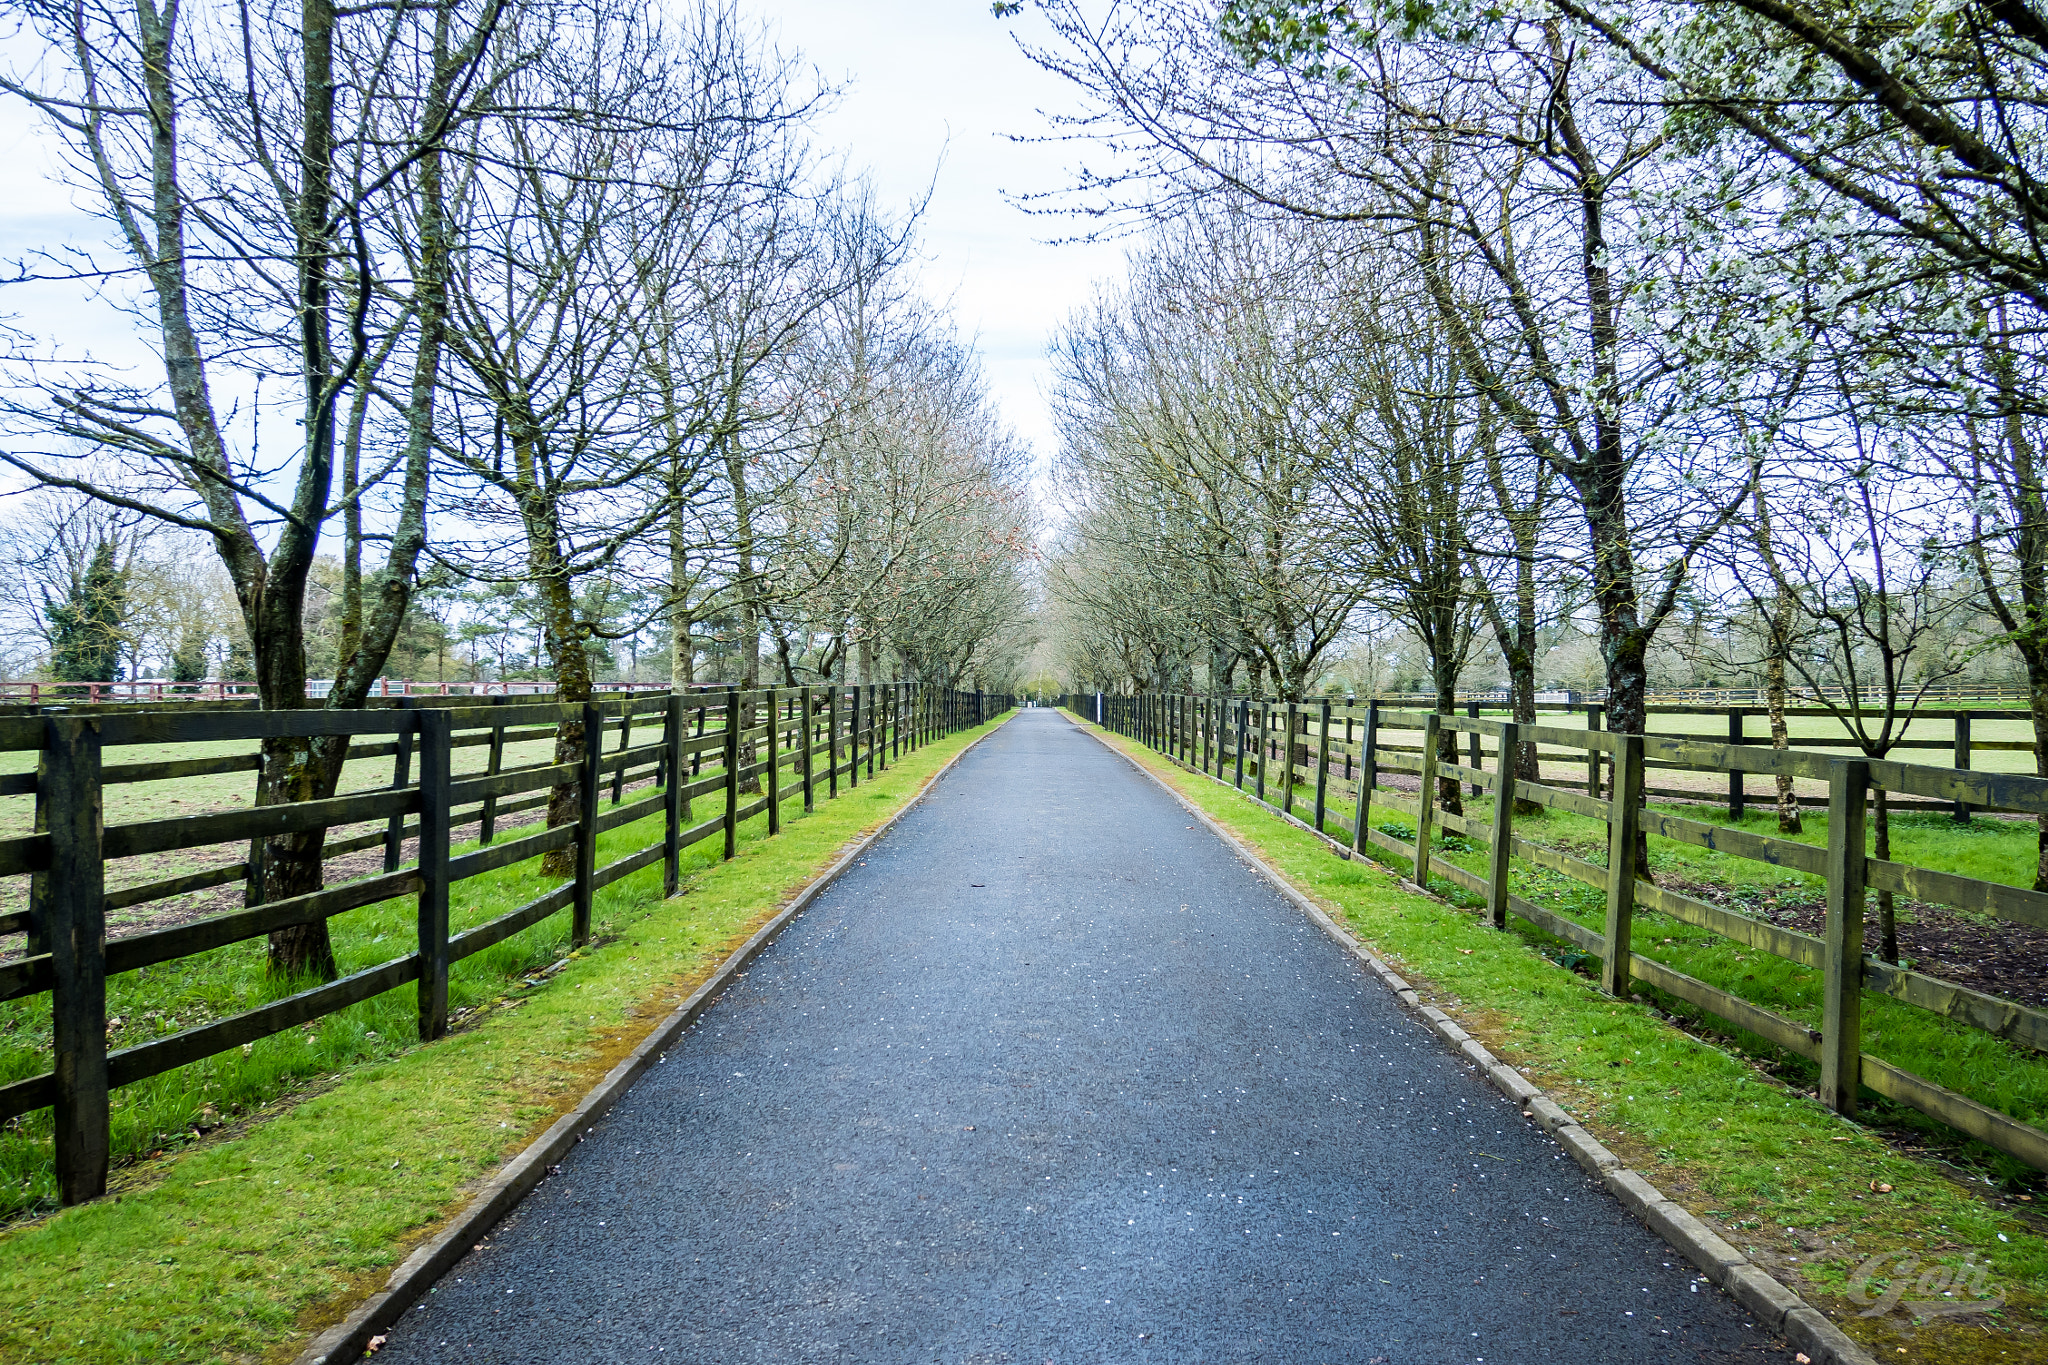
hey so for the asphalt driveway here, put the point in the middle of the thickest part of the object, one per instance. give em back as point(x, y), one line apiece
point(1053, 1077)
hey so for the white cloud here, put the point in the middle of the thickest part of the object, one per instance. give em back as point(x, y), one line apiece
point(940, 84)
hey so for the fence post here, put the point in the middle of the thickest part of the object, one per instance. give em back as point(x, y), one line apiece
point(68, 909)
point(487, 824)
point(1238, 743)
point(1323, 765)
point(808, 731)
point(878, 727)
point(853, 740)
point(1368, 775)
point(1962, 815)
point(1841, 1043)
point(401, 777)
point(1624, 826)
point(1503, 832)
point(732, 770)
point(774, 756)
point(1592, 755)
point(675, 806)
point(831, 742)
point(592, 795)
point(625, 743)
point(1259, 785)
point(1735, 791)
point(436, 765)
point(1425, 798)
point(1296, 725)
point(1475, 746)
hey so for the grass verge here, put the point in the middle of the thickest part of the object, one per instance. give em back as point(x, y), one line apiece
point(239, 1247)
point(1807, 1195)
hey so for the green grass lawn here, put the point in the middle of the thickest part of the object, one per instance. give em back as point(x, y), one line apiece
point(2005, 1076)
point(1715, 1119)
point(345, 1143)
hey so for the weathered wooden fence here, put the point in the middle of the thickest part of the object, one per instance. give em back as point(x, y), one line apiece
point(1960, 746)
point(1288, 753)
point(724, 745)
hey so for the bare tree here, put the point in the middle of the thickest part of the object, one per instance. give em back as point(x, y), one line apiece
point(1529, 180)
point(244, 160)
point(1410, 481)
point(1859, 582)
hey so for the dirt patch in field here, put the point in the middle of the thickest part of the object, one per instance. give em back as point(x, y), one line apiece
point(1993, 956)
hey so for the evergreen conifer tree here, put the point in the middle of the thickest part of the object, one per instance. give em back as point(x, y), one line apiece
point(85, 628)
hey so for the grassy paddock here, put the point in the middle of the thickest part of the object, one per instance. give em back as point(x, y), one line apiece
point(133, 802)
point(347, 1143)
point(1703, 1116)
point(1820, 735)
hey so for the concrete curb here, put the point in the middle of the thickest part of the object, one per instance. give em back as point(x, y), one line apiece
point(1775, 1306)
point(348, 1339)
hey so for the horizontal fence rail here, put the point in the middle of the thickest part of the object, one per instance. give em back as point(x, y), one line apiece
point(746, 751)
point(1756, 697)
point(163, 691)
point(1960, 746)
point(1295, 755)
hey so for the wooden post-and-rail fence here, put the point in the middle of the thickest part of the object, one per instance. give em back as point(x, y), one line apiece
point(1269, 749)
point(727, 745)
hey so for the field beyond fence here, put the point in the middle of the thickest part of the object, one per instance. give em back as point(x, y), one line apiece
point(1970, 1060)
point(737, 754)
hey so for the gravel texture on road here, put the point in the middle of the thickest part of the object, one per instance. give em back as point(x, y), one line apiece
point(1053, 1077)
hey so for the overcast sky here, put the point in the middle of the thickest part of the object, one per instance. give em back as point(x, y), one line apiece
point(934, 89)
point(939, 85)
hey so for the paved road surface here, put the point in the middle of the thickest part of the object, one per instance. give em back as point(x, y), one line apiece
point(1054, 1077)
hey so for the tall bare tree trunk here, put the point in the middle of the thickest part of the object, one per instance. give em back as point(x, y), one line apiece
point(750, 596)
point(1774, 698)
point(1449, 789)
point(562, 637)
